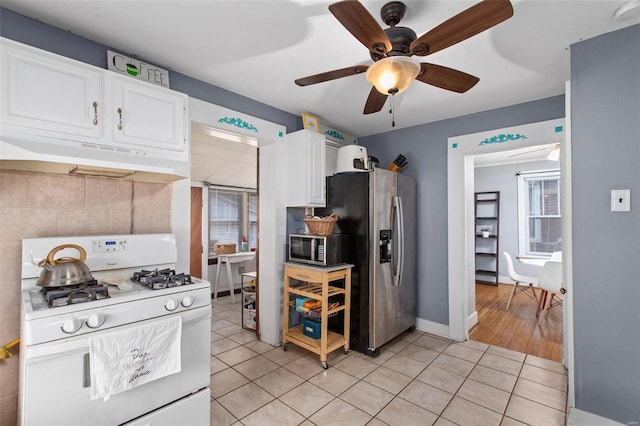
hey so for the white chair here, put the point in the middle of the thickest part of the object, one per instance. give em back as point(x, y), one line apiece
point(519, 280)
point(550, 282)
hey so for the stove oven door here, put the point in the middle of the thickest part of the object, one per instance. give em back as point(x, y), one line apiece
point(55, 383)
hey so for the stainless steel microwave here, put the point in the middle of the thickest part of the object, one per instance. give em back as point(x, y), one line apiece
point(317, 249)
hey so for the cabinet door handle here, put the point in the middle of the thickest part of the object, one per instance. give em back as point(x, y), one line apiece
point(119, 118)
point(95, 113)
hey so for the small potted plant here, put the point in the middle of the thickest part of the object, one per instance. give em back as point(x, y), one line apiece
point(486, 232)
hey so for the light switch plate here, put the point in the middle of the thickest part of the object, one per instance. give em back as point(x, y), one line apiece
point(620, 200)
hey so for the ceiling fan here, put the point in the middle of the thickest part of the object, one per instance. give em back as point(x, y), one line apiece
point(391, 48)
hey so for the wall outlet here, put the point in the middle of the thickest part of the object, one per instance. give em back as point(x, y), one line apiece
point(620, 200)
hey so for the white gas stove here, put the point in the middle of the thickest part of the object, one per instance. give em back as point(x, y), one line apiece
point(56, 337)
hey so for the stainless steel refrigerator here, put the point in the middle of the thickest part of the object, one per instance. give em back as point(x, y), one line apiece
point(377, 213)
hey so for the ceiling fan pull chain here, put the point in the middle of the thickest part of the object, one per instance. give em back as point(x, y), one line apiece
point(393, 115)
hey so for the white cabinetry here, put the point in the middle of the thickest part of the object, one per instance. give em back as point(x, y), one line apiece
point(306, 169)
point(147, 116)
point(51, 95)
point(51, 99)
point(331, 159)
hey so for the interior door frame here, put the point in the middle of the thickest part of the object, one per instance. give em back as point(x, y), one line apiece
point(270, 256)
point(460, 173)
point(196, 260)
point(461, 232)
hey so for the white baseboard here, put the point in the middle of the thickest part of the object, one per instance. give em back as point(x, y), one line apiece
point(582, 418)
point(432, 328)
point(472, 320)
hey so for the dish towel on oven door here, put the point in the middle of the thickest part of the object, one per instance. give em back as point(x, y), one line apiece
point(122, 360)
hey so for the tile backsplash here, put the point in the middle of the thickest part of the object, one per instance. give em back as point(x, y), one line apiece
point(48, 205)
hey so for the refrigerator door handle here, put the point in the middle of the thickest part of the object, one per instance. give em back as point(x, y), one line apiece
point(399, 241)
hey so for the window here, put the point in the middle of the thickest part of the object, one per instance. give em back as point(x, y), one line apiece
point(233, 213)
point(539, 215)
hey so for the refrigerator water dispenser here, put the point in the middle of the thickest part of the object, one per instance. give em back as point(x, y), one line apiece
point(385, 246)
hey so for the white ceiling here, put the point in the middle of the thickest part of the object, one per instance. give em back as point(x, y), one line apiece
point(224, 161)
point(515, 156)
point(258, 48)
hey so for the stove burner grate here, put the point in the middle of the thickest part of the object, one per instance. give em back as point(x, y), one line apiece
point(159, 279)
point(72, 294)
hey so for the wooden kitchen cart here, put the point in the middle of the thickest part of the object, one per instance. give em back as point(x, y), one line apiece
point(316, 284)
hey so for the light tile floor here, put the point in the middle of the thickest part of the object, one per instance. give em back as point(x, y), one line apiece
point(418, 379)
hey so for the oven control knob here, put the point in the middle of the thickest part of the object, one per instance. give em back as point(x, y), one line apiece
point(171, 305)
point(95, 320)
point(187, 301)
point(72, 325)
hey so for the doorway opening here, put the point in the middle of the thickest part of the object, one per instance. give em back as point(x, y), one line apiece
point(225, 165)
point(462, 151)
point(224, 208)
point(525, 225)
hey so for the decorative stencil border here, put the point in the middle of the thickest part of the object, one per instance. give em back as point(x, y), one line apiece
point(503, 137)
point(335, 135)
point(239, 123)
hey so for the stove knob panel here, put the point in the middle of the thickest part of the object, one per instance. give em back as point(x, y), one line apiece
point(95, 320)
point(72, 325)
point(187, 301)
point(171, 305)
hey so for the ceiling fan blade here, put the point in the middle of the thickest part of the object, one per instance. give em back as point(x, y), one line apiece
point(467, 23)
point(446, 78)
point(359, 22)
point(331, 75)
point(375, 101)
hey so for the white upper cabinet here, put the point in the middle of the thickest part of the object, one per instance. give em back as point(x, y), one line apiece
point(331, 160)
point(51, 94)
point(306, 169)
point(51, 98)
point(148, 116)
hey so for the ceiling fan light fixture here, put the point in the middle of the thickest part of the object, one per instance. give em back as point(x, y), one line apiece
point(393, 74)
point(554, 154)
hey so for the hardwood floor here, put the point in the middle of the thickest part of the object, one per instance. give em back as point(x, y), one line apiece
point(517, 329)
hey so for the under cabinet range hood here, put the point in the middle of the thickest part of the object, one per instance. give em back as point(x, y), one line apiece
point(59, 115)
point(57, 157)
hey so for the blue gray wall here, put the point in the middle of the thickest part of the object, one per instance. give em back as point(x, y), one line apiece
point(605, 118)
point(425, 147)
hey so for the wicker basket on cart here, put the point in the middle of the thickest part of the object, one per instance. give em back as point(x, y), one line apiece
point(321, 226)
